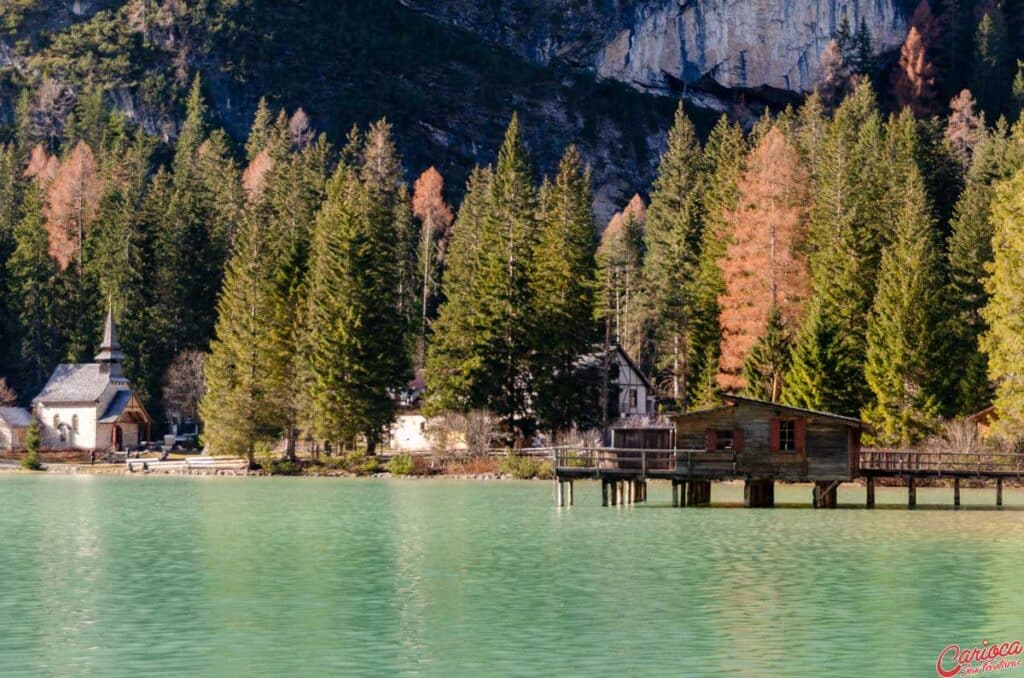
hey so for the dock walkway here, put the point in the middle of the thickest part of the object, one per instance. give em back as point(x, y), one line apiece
point(624, 473)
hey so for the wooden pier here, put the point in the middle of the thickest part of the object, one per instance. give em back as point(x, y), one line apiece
point(624, 474)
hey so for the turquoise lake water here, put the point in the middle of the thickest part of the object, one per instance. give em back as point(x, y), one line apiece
point(310, 577)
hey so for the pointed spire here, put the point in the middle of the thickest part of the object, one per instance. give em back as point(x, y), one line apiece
point(110, 347)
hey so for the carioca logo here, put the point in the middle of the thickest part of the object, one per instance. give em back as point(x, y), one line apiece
point(953, 660)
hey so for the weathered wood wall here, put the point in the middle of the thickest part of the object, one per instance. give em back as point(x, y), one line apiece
point(827, 442)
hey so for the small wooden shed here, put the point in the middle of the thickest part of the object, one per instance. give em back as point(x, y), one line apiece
point(14, 423)
point(768, 440)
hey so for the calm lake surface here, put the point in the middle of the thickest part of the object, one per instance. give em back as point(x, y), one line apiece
point(278, 576)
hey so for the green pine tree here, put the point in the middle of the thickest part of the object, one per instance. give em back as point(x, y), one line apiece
point(847, 224)
point(457, 359)
point(1004, 311)
point(768, 360)
point(234, 409)
point(903, 339)
point(993, 67)
point(817, 377)
point(672, 264)
point(969, 254)
point(863, 60)
point(260, 131)
point(33, 446)
point(562, 294)
point(40, 293)
point(352, 324)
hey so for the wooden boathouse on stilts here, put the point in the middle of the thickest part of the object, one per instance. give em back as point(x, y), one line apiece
point(761, 442)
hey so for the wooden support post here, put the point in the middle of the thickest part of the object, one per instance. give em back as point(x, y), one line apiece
point(999, 491)
point(759, 493)
point(618, 493)
point(604, 492)
point(675, 493)
point(825, 494)
point(632, 491)
point(956, 492)
point(559, 498)
point(911, 492)
point(569, 487)
point(871, 492)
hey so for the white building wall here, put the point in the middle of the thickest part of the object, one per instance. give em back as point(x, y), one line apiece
point(408, 433)
point(628, 380)
point(83, 439)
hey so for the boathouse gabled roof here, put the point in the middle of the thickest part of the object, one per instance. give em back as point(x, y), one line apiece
point(731, 400)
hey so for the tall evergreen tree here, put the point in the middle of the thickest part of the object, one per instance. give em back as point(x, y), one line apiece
point(40, 293)
point(234, 409)
point(352, 319)
point(993, 68)
point(673, 254)
point(457, 367)
point(996, 156)
point(819, 366)
point(767, 362)
point(562, 296)
point(484, 333)
point(1004, 311)
point(846, 225)
point(12, 189)
point(903, 329)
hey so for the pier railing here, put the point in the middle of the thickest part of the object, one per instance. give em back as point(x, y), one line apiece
point(937, 463)
point(640, 461)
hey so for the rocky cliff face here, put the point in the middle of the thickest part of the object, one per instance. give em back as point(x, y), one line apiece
point(659, 45)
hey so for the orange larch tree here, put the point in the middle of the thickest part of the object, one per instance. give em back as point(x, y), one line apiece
point(765, 263)
point(435, 216)
point(913, 80)
point(73, 202)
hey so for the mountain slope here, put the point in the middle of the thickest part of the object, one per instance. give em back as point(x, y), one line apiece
point(448, 92)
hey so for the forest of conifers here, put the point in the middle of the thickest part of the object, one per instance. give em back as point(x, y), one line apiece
point(833, 258)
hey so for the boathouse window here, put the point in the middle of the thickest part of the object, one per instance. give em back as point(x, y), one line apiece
point(632, 398)
point(723, 439)
point(787, 435)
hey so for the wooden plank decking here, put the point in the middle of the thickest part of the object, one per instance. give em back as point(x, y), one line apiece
point(624, 473)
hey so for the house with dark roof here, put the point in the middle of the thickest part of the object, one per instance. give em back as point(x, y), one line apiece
point(14, 423)
point(91, 406)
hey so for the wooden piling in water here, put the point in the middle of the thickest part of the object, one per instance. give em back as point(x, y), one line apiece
point(604, 492)
point(759, 493)
point(824, 494)
point(999, 491)
point(956, 492)
point(675, 493)
point(871, 491)
point(559, 498)
point(911, 492)
point(569, 496)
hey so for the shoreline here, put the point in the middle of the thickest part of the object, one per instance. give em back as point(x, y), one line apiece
point(118, 470)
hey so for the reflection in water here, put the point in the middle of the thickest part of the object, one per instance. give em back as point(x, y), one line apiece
point(270, 577)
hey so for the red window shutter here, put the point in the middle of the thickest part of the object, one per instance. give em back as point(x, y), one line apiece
point(737, 439)
point(773, 436)
point(710, 440)
point(800, 429)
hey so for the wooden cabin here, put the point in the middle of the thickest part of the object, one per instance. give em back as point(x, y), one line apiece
point(752, 438)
